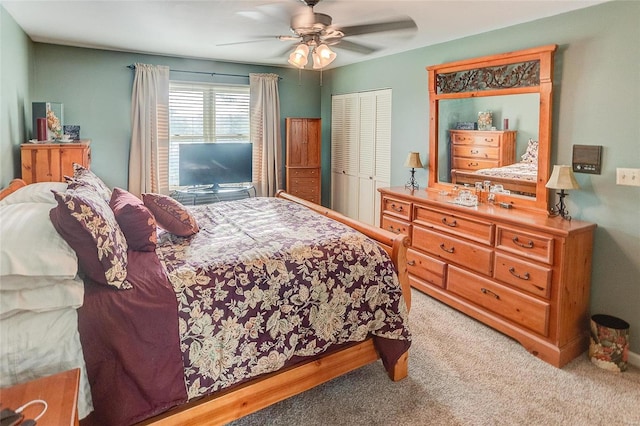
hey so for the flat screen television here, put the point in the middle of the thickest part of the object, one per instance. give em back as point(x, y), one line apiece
point(213, 164)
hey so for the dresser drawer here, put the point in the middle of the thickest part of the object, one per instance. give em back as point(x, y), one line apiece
point(475, 138)
point(474, 163)
point(510, 304)
point(480, 152)
point(427, 268)
point(472, 229)
point(395, 225)
point(295, 172)
point(467, 254)
point(524, 275)
point(304, 191)
point(396, 207)
point(532, 246)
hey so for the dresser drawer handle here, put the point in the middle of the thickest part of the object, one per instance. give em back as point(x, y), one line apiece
point(451, 224)
point(489, 292)
point(451, 250)
point(398, 209)
point(411, 263)
point(475, 151)
point(523, 245)
point(472, 164)
point(394, 230)
point(488, 139)
point(522, 277)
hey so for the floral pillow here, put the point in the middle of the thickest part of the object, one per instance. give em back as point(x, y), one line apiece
point(136, 221)
point(171, 215)
point(89, 226)
point(85, 177)
point(531, 154)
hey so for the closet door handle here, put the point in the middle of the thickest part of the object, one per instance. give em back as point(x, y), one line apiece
point(528, 244)
point(525, 277)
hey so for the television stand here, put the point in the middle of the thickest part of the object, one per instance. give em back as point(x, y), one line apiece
point(213, 194)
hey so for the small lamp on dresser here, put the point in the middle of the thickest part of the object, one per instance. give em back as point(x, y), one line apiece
point(413, 161)
point(562, 178)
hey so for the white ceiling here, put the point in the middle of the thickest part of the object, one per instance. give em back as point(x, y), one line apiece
point(196, 29)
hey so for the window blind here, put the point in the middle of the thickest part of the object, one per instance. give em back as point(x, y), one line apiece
point(204, 112)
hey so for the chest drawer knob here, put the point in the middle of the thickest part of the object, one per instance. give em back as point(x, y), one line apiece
point(451, 224)
point(517, 242)
point(489, 292)
point(448, 250)
point(522, 277)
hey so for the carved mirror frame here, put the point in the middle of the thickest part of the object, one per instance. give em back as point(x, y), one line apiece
point(524, 71)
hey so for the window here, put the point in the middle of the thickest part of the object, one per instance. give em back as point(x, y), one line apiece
point(204, 112)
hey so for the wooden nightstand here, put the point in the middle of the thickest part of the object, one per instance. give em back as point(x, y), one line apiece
point(60, 391)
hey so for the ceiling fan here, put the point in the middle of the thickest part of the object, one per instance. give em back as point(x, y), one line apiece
point(314, 32)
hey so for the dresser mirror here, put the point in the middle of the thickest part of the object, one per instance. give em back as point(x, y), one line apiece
point(511, 89)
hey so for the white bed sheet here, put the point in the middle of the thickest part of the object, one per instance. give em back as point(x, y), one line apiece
point(34, 345)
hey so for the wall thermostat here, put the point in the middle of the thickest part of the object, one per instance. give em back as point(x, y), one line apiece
point(587, 158)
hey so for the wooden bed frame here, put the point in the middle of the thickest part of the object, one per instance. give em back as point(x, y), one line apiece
point(226, 406)
point(518, 186)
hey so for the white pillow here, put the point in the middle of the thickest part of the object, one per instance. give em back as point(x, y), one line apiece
point(35, 193)
point(58, 294)
point(31, 246)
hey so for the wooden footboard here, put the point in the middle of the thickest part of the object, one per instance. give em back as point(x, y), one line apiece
point(257, 394)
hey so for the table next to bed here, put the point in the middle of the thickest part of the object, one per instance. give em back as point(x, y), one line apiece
point(60, 391)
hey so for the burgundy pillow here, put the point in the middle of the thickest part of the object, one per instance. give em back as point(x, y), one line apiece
point(89, 226)
point(171, 215)
point(136, 221)
point(85, 177)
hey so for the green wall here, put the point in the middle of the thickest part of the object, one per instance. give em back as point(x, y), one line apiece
point(95, 88)
point(596, 102)
point(16, 62)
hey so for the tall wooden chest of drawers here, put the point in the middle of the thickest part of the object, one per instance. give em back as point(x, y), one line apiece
point(51, 162)
point(480, 149)
point(522, 273)
point(303, 145)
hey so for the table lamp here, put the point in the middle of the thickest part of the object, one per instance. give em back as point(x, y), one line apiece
point(413, 161)
point(562, 178)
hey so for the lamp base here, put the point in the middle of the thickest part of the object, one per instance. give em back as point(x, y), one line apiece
point(412, 183)
point(560, 209)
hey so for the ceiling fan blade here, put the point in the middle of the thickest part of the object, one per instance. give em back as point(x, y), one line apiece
point(379, 27)
point(354, 47)
point(257, 40)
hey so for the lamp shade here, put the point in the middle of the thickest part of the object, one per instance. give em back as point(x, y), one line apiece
point(322, 56)
point(299, 57)
point(562, 178)
point(413, 161)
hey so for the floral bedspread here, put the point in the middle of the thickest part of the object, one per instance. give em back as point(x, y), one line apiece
point(523, 170)
point(266, 280)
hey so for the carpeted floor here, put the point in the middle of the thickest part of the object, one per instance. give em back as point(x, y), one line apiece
point(461, 372)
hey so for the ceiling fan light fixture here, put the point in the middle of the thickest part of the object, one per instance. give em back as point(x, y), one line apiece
point(300, 56)
point(322, 56)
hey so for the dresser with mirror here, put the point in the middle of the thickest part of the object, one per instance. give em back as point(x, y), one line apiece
point(485, 244)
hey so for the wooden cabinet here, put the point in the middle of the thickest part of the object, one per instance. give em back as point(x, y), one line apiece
point(50, 162)
point(60, 391)
point(475, 149)
point(303, 143)
point(520, 272)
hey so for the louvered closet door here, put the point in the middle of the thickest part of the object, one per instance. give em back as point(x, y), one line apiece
point(360, 152)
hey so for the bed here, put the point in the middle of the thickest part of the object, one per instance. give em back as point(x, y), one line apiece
point(188, 340)
point(518, 178)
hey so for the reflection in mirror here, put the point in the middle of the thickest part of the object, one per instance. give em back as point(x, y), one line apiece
point(522, 113)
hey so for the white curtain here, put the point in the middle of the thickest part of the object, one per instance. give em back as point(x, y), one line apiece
point(149, 154)
point(265, 133)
